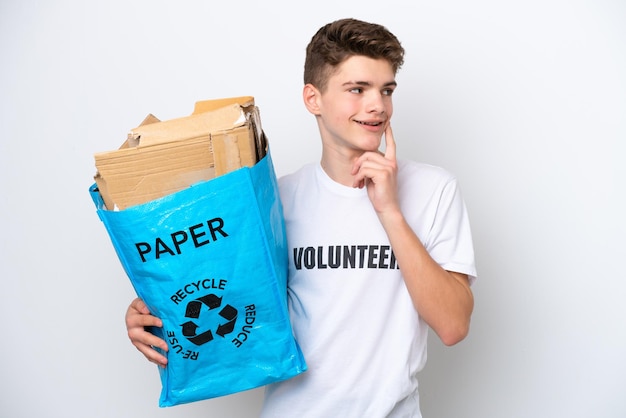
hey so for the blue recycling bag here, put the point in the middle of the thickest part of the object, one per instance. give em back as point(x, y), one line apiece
point(211, 262)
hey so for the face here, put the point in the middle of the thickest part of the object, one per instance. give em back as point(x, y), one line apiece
point(355, 107)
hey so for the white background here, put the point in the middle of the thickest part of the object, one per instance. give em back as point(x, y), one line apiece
point(524, 100)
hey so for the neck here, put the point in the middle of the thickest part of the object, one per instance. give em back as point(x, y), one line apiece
point(338, 165)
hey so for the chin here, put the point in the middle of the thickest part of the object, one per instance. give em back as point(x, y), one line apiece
point(371, 146)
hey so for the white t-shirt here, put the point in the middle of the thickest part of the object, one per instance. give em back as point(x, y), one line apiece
point(352, 315)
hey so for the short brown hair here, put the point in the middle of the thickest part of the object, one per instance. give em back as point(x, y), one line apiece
point(337, 41)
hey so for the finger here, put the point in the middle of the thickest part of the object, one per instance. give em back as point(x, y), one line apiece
point(367, 158)
point(147, 344)
point(152, 355)
point(138, 314)
point(390, 144)
point(135, 319)
point(140, 306)
point(140, 337)
point(359, 170)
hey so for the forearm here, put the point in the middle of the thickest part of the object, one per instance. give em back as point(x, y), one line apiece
point(443, 299)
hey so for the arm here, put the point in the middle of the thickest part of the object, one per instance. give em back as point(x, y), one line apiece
point(444, 299)
point(137, 318)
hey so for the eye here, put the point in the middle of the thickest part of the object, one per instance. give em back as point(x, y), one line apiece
point(357, 90)
point(387, 92)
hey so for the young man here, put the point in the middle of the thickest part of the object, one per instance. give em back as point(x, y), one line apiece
point(380, 249)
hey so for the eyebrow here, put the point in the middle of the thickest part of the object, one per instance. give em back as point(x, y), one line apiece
point(369, 84)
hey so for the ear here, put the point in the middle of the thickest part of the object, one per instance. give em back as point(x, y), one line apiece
point(311, 96)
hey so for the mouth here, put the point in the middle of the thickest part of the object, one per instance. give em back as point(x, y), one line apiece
point(369, 123)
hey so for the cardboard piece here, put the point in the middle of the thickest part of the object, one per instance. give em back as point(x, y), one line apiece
point(162, 157)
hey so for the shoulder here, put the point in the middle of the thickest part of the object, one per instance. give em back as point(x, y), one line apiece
point(423, 185)
point(302, 174)
point(412, 172)
point(290, 184)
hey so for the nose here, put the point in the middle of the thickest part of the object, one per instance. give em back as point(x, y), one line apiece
point(375, 102)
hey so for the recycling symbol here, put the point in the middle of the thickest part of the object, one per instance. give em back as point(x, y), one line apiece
point(193, 311)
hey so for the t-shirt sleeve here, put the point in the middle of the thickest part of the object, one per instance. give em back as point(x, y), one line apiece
point(450, 239)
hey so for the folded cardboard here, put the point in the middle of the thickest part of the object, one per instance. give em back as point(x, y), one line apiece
point(162, 157)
